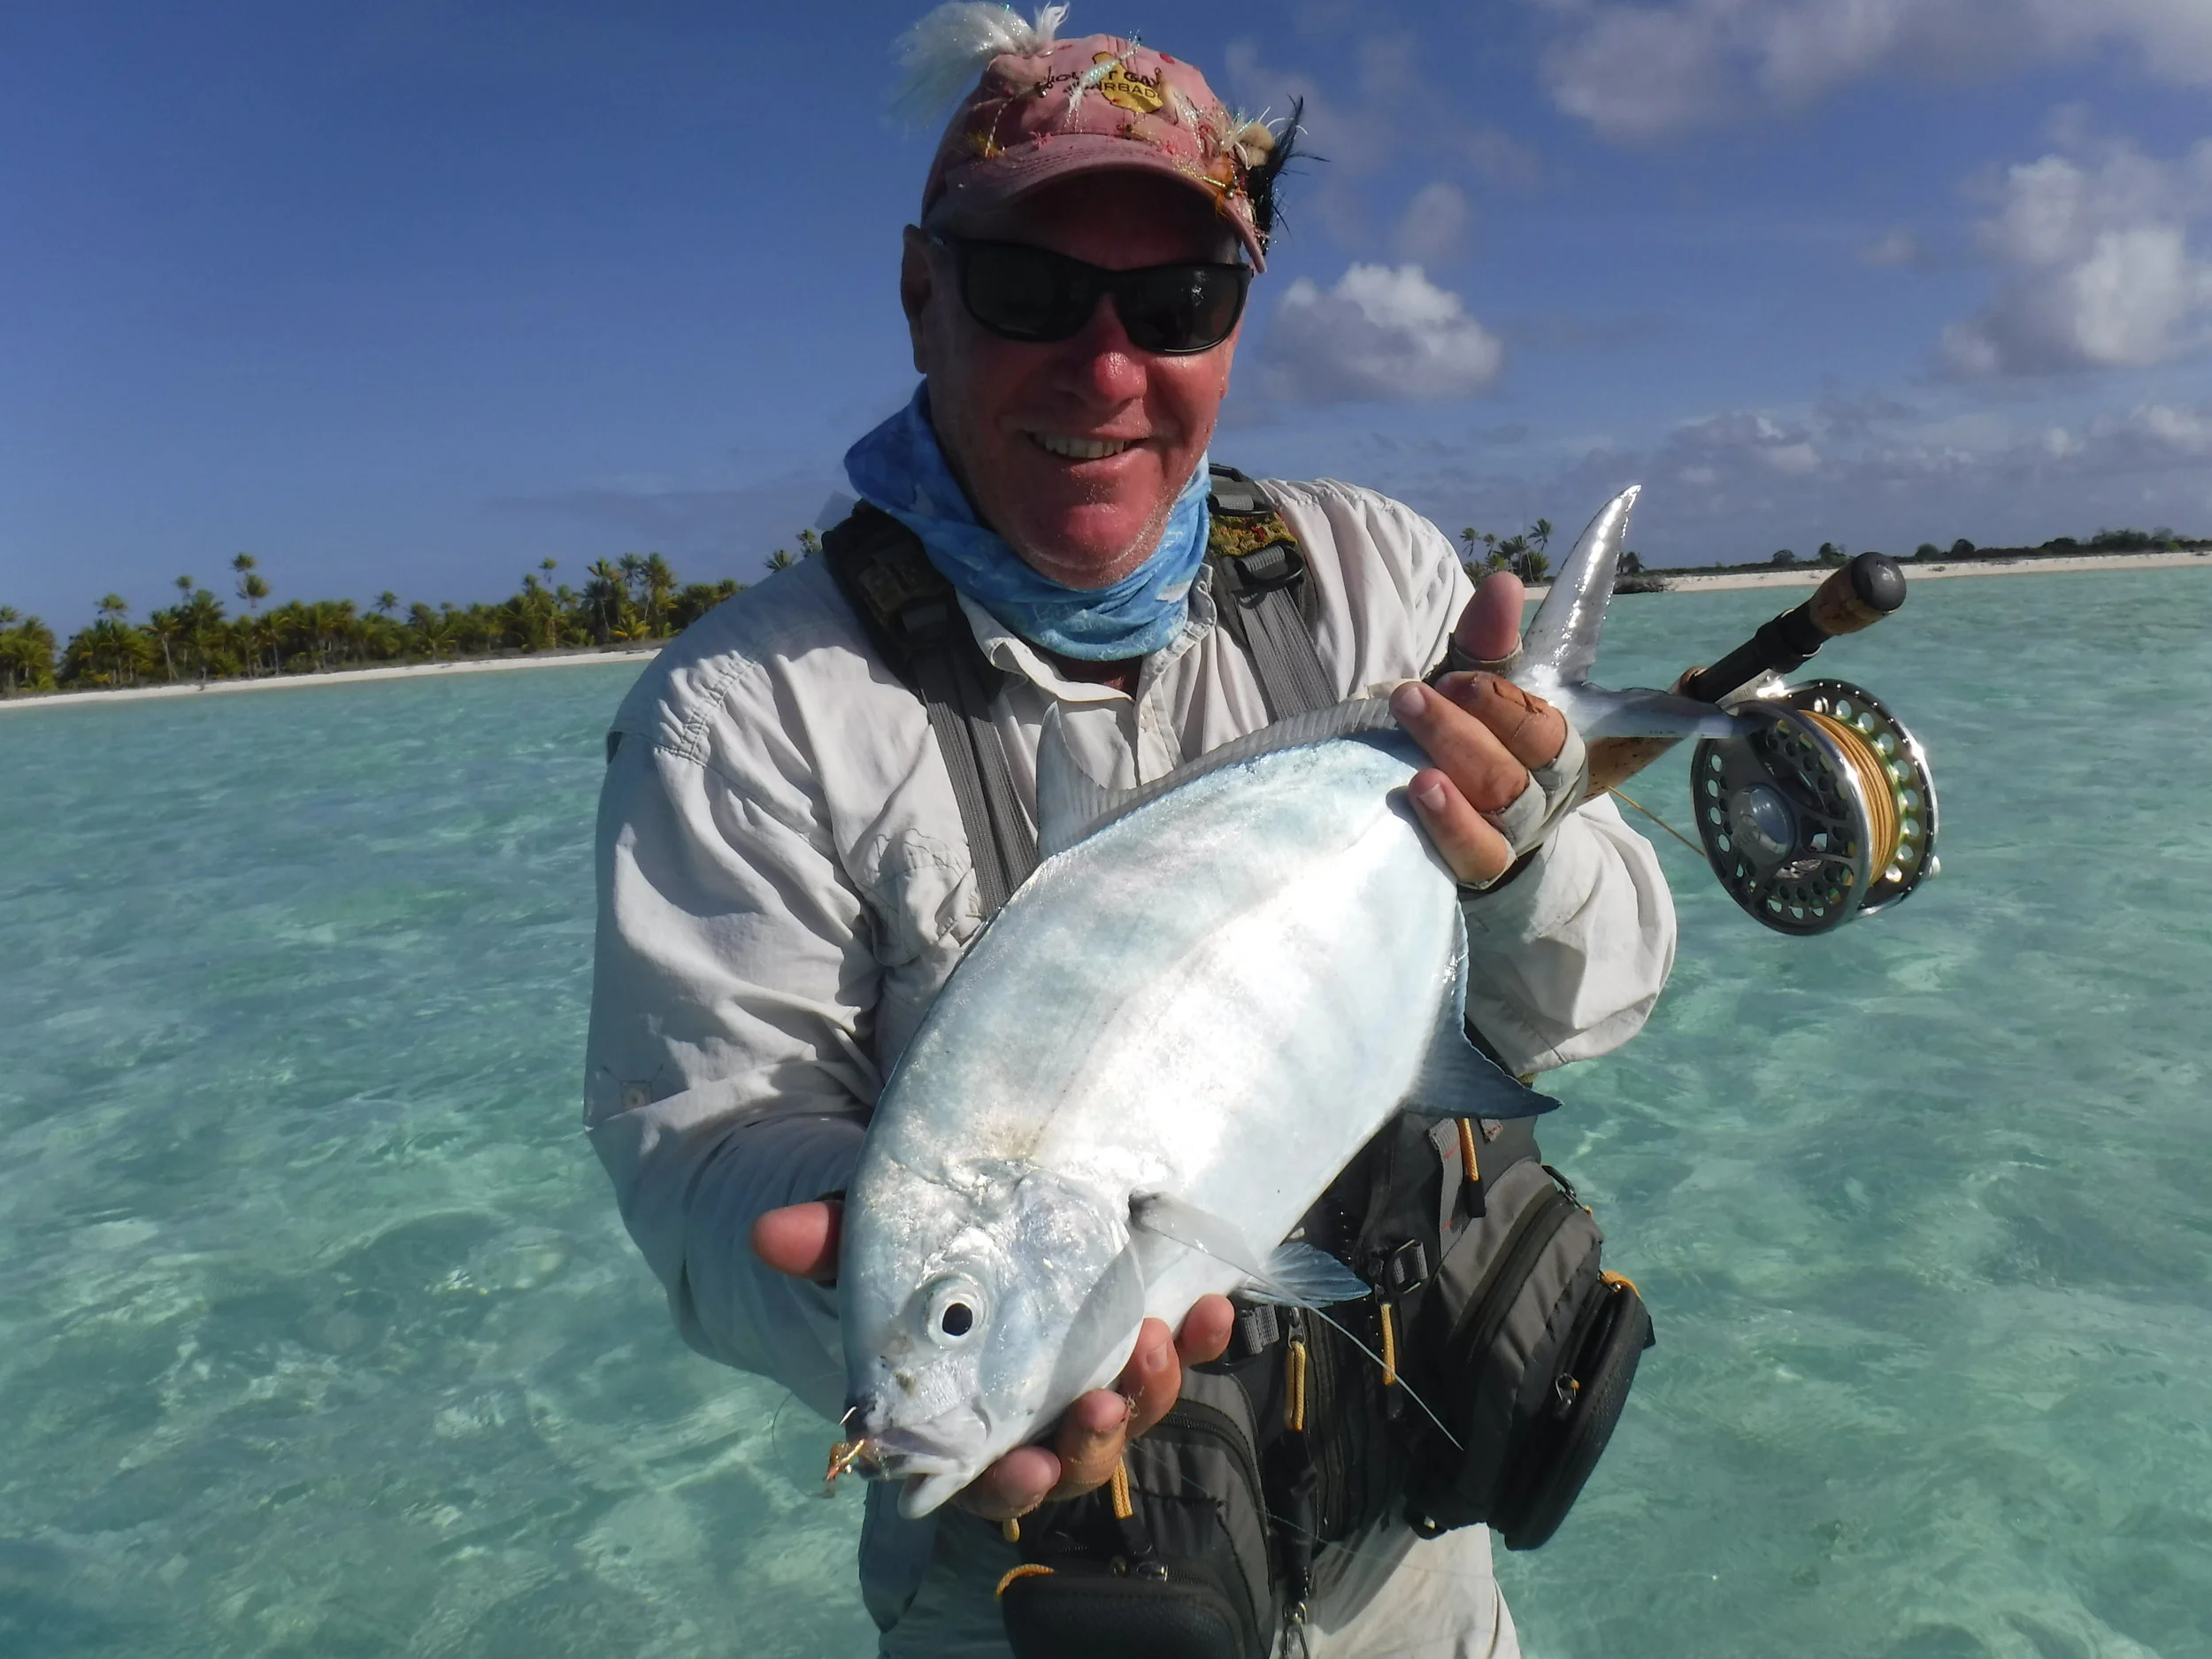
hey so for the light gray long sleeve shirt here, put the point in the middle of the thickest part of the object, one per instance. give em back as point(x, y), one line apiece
point(785, 884)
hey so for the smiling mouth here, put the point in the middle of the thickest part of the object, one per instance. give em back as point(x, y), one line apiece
point(1078, 449)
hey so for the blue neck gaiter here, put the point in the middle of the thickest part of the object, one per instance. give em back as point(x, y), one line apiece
point(900, 468)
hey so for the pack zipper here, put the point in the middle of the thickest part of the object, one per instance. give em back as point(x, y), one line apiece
point(1212, 1423)
point(1532, 1233)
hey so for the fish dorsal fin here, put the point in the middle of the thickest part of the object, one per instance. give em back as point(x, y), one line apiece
point(1295, 1273)
point(1089, 806)
point(1562, 643)
point(1457, 1079)
point(1070, 804)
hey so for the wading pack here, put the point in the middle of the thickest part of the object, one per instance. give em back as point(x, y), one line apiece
point(1479, 1380)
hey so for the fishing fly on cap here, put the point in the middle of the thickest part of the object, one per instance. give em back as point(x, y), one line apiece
point(1032, 108)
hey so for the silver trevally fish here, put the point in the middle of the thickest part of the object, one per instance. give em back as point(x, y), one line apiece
point(1209, 998)
point(1154, 1061)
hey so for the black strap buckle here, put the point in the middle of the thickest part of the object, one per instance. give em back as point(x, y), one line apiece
point(1277, 564)
point(1406, 1269)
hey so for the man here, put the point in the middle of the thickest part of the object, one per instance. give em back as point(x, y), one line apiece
point(785, 878)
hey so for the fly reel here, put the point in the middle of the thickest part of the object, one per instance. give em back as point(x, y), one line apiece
point(1821, 811)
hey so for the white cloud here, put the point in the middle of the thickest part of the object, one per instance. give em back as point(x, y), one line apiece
point(2100, 270)
point(1435, 224)
point(1640, 70)
point(1381, 333)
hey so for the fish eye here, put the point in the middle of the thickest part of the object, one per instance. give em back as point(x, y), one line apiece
point(955, 1308)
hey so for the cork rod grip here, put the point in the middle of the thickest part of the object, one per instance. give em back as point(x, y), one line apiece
point(1857, 597)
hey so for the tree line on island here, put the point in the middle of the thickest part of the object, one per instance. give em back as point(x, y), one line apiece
point(625, 602)
point(630, 601)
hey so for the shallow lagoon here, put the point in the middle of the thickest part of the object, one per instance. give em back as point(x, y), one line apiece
point(319, 1335)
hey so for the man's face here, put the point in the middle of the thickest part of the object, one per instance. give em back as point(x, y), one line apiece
point(1000, 406)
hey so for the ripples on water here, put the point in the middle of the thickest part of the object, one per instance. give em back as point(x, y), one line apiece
point(319, 1335)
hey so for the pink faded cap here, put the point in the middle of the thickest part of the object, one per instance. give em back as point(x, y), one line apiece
point(1047, 109)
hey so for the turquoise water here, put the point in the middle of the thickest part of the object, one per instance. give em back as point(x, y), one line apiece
point(318, 1336)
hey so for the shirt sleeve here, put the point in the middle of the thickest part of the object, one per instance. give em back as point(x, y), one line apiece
point(1567, 960)
point(725, 1069)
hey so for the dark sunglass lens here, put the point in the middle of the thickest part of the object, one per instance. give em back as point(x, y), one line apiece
point(1182, 308)
point(1025, 293)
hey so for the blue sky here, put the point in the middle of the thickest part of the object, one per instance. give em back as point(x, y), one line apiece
point(413, 294)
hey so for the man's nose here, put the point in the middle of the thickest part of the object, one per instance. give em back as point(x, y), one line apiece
point(1102, 364)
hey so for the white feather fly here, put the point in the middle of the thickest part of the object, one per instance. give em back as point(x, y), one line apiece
point(945, 52)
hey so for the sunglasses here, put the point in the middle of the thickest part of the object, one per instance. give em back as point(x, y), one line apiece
point(1030, 293)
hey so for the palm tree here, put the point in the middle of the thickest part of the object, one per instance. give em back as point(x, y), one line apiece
point(779, 560)
point(203, 615)
point(386, 602)
point(660, 581)
point(167, 628)
point(605, 596)
point(1539, 532)
point(114, 605)
point(434, 630)
point(26, 653)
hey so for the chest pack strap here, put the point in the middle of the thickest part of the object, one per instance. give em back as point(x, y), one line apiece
point(1260, 590)
point(915, 620)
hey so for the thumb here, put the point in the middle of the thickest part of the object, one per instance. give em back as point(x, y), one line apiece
point(801, 1240)
point(1489, 630)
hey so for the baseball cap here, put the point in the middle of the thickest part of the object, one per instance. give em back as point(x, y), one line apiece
point(1045, 108)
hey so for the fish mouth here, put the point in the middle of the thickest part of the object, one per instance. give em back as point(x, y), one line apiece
point(900, 1453)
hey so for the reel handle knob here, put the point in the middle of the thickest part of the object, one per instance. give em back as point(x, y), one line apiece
point(1857, 597)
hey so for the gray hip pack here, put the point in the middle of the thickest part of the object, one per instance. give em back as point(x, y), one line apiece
point(1479, 1380)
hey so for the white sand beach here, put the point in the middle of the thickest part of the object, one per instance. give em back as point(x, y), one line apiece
point(344, 676)
point(1809, 575)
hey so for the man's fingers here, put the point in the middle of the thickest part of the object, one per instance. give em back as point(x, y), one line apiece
point(1152, 1378)
point(1090, 1441)
point(1469, 843)
point(1467, 751)
point(1531, 730)
point(1206, 1331)
point(1012, 1487)
point(801, 1240)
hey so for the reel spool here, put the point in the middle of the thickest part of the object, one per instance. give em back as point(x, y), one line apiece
point(1823, 813)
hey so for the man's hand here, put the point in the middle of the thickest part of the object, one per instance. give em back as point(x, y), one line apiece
point(801, 1240)
point(1484, 733)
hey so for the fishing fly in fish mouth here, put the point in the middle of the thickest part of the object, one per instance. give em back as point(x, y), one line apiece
point(1076, 947)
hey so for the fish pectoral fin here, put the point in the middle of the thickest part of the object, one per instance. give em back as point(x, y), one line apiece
point(1299, 1276)
point(1070, 804)
point(1296, 1274)
point(1457, 1079)
point(1167, 1216)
